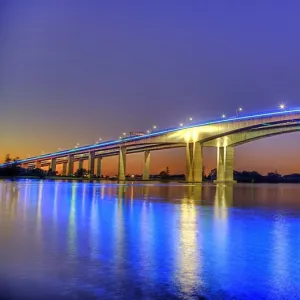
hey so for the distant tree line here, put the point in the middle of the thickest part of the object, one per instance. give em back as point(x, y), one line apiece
point(14, 169)
point(255, 177)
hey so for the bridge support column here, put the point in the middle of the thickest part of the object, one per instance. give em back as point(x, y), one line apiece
point(122, 163)
point(64, 169)
point(225, 165)
point(194, 162)
point(80, 164)
point(38, 164)
point(146, 167)
point(91, 167)
point(98, 172)
point(53, 164)
point(25, 165)
point(70, 164)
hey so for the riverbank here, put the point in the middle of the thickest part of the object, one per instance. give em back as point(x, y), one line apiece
point(72, 178)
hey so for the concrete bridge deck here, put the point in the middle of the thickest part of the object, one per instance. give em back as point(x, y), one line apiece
point(225, 134)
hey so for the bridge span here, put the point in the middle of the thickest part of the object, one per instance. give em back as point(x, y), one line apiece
point(224, 134)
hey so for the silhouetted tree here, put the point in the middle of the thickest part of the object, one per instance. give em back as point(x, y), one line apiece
point(212, 174)
point(12, 169)
point(51, 173)
point(39, 173)
point(80, 172)
point(164, 175)
point(167, 170)
point(7, 158)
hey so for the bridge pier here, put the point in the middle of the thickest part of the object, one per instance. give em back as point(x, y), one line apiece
point(194, 162)
point(70, 164)
point(64, 169)
point(53, 164)
point(225, 165)
point(80, 164)
point(38, 164)
point(146, 166)
point(98, 172)
point(122, 163)
point(25, 165)
point(91, 167)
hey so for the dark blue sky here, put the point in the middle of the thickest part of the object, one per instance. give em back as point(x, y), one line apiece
point(73, 71)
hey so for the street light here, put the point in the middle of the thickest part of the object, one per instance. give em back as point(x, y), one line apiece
point(124, 133)
point(154, 126)
point(180, 124)
point(223, 116)
point(238, 110)
point(148, 131)
point(98, 141)
point(188, 120)
point(282, 106)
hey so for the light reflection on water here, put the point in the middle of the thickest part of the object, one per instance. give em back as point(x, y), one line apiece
point(148, 241)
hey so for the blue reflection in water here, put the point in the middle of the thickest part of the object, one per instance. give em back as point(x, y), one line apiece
point(148, 241)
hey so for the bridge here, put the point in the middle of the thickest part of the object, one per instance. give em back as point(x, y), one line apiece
point(224, 134)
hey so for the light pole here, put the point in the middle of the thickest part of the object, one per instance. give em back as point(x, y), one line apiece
point(186, 122)
point(190, 119)
point(238, 110)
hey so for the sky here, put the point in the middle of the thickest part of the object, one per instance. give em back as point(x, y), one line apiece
point(72, 71)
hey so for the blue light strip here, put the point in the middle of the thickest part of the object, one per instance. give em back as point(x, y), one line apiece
point(153, 134)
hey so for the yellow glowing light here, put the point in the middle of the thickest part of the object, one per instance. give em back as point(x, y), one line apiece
point(180, 124)
point(187, 136)
point(195, 135)
point(148, 131)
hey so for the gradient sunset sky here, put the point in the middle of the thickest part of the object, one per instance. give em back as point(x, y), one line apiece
point(74, 71)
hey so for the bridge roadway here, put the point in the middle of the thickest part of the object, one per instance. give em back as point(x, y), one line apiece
point(224, 134)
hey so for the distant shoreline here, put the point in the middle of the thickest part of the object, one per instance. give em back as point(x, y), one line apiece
point(86, 179)
point(71, 178)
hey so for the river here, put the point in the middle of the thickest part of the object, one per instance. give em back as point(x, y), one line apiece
point(77, 240)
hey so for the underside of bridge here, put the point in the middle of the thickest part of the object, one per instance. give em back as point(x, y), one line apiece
point(224, 135)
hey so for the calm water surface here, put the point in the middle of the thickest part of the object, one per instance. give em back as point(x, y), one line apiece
point(71, 240)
